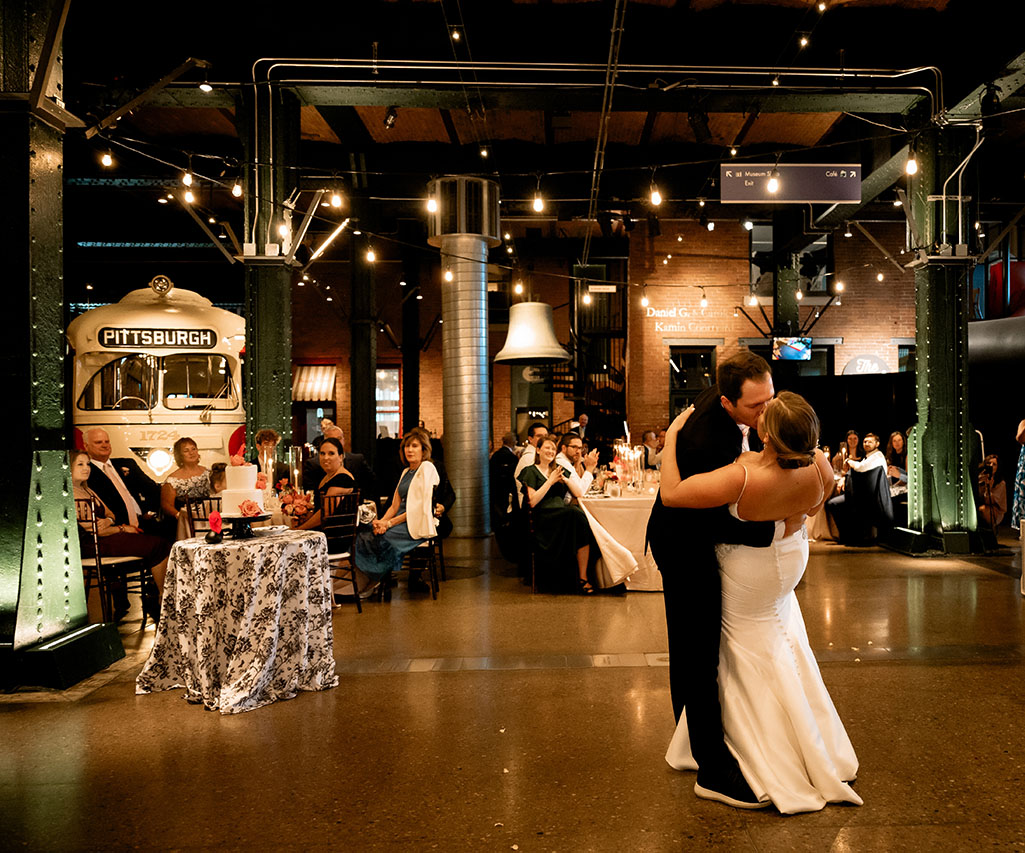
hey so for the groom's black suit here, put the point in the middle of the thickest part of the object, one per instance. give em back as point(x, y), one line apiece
point(683, 543)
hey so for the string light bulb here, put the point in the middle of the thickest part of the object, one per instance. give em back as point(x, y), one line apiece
point(539, 203)
point(822, 7)
point(803, 41)
point(880, 276)
point(587, 299)
point(644, 298)
point(236, 189)
point(106, 159)
point(839, 287)
point(518, 288)
point(710, 225)
point(752, 300)
point(704, 299)
point(189, 197)
point(773, 185)
point(799, 295)
point(484, 152)
point(733, 150)
point(911, 167)
point(448, 275)
point(656, 196)
point(507, 236)
point(336, 199)
point(847, 230)
point(748, 225)
point(187, 178)
point(701, 202)
point(508, 250)
point(432, 204)
point(456, 34)
point(371, 255)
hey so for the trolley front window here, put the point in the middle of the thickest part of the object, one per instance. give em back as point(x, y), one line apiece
point(126, 384)
point(198, 382)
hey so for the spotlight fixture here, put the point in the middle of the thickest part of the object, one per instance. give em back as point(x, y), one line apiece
point(704, 299)
point(205, 86)
point(236, 189)
point(897, 202)
point(847, 230)
point(389, 118)
point(420, 297)
point(106, 159)
point(402, 284)
point(773, 185)
point(162, 200)
point(432, 204)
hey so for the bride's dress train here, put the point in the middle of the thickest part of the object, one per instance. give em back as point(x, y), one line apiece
point(779, 720)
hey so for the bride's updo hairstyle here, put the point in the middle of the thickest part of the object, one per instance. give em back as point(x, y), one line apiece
point(792, 426)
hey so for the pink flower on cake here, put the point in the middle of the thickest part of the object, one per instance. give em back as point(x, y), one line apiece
point(250, 509)
point(261, 481)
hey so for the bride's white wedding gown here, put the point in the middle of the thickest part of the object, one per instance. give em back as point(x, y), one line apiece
point(777, 715)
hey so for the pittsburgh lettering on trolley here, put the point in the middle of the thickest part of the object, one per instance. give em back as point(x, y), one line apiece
point(158, 338)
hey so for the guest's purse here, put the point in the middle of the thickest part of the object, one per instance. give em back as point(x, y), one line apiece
point(367, 512)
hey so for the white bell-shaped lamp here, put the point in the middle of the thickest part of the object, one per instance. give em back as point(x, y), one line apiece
point(531, 338)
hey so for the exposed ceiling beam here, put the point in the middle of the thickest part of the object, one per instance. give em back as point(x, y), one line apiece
point(871, 187)
point(1005, 86)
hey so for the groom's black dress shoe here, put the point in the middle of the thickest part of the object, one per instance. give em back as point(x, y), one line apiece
point(728, 787)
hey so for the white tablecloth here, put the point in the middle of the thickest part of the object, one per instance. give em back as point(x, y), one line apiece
point(618, 525)
point(244, 623)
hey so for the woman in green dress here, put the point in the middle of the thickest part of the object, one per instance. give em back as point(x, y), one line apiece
point(560, 529)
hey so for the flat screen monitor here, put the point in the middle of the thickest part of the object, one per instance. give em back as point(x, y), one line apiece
point(791, 349)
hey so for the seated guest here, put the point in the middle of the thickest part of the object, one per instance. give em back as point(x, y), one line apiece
point(571, 457)
point(848, 450)
point(119, 540)
point(218, 478)
point(992, 493)
point(125, 489)
point(335, 480)
point(188, 480)
point(355, 463)
point(873, 458)
point(535, 432)
point(410, 518)
point(266, 450)
point(652, 454)
point(561, 530)
point(897, 463)
point(503, 485)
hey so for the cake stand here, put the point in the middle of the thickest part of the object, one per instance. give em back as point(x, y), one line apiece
point(241, 525)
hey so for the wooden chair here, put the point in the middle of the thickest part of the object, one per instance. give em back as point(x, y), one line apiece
point(424, 557)
point(338, 522)
point(199, 510)
point(95, 567)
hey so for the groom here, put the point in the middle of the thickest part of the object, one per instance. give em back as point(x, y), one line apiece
point(683, 544)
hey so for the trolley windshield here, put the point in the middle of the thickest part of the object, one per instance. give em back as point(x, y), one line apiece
point(180, 382)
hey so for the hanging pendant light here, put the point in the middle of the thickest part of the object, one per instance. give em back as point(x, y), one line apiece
point(531, 338)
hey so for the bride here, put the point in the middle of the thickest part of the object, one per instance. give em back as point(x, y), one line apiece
point(779, 720)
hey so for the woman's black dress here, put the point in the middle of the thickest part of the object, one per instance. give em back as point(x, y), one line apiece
point(560, 529)
point(341, 480)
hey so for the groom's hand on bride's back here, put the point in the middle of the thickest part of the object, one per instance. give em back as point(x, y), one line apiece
point(794, 523)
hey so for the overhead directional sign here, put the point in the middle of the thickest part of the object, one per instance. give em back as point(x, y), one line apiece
point(798, 182)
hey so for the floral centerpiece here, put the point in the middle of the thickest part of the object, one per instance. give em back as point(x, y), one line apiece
point(296, 505)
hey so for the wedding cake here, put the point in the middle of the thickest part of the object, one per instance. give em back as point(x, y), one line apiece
point(240, 482)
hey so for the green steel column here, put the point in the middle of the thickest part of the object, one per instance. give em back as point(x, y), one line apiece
point(41, 590)
point(940, 502)
point(269, 128)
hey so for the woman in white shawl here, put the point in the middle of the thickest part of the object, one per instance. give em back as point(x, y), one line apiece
point(410, 517)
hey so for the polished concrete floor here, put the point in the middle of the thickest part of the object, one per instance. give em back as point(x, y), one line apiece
point(491, 719)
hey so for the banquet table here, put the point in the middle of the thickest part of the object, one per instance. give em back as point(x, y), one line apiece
point(245, 622)
point(619, 525)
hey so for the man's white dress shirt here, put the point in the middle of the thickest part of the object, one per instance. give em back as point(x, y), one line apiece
point(577, 485)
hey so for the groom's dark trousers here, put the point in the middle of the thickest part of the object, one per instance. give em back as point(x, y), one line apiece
point(683, 543)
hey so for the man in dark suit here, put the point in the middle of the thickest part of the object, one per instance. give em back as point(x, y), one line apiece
point(266, 448)
point(123, 486)
point(581, 427)
point(683, 543)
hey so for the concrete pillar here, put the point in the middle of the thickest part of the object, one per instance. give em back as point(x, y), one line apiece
point(464, 225)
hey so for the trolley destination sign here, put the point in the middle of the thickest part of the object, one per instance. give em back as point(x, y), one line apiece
point(825, 183)
point(110, 336)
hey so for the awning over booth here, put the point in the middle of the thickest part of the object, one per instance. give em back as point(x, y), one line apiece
point(313, 383)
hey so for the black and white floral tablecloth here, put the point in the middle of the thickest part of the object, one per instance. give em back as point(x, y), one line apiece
point(244, 623)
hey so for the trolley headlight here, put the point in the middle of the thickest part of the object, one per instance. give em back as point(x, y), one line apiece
point(159, 461)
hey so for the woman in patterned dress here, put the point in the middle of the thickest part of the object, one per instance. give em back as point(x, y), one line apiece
point(1018, 505)
point(188, 480)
